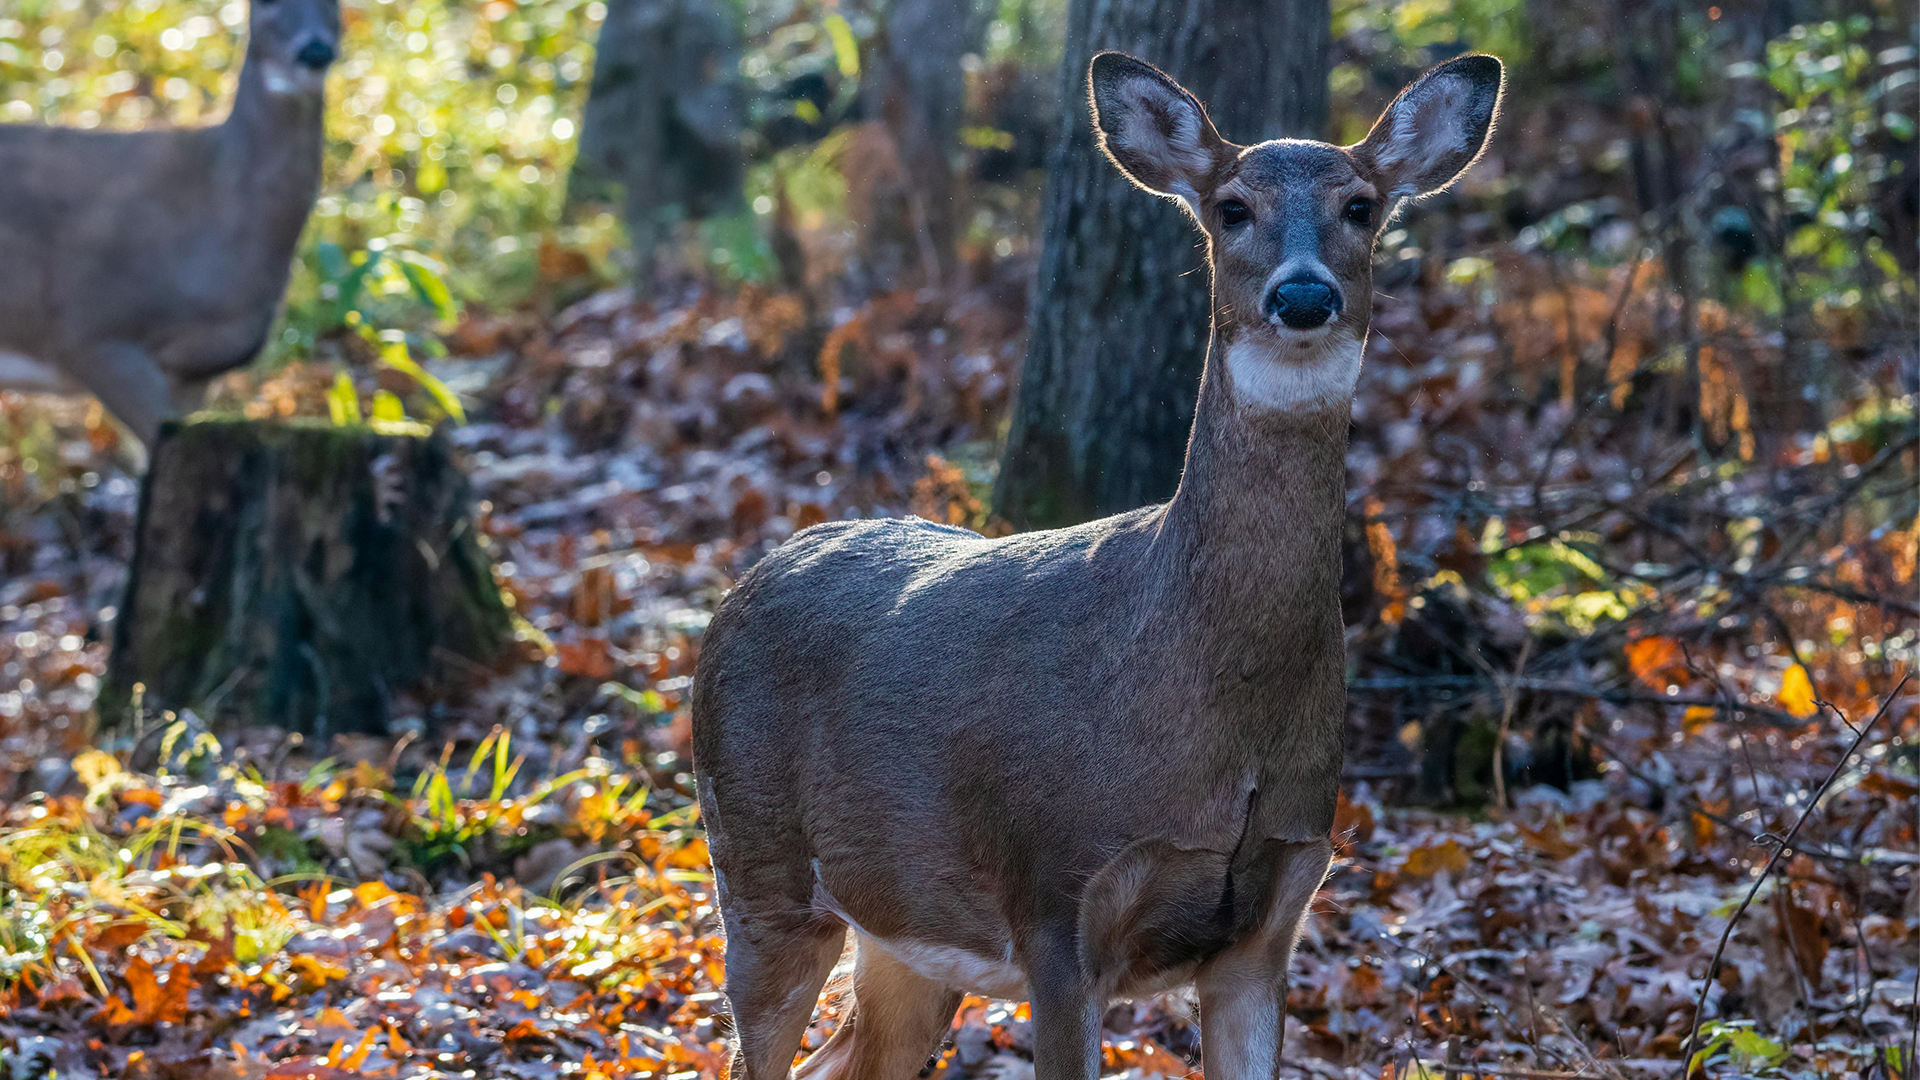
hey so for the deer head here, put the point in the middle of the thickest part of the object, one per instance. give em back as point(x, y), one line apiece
point(1291, 223)
point(294, 42)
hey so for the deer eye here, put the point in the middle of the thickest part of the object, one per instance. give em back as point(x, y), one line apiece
point(1234, 212)
point(1360, 211)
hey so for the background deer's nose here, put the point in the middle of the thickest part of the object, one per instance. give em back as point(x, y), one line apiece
point(1303, 305)
point(315, 54)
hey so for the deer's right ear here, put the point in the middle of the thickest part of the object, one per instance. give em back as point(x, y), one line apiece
point(1156, 132)
point(1435, 128)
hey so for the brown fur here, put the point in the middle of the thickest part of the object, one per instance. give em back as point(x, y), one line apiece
point(141, 264)
point(1078, 764)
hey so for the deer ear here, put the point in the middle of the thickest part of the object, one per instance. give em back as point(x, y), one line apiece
point(1435, 128)
point(1156, 132)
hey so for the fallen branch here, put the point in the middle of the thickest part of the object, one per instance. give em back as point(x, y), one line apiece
point(1688, 1048)
point(1570, 689)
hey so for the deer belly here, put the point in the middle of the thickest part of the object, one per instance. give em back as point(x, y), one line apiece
point(956, 968)
point(993, 974)
point(30, 376)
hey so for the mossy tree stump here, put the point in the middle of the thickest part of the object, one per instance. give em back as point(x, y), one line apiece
point(300, 575)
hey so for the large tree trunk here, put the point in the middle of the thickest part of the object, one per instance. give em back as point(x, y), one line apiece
point(918, 93)
point(1120, 305)
point(300, 575)
point(664, 118)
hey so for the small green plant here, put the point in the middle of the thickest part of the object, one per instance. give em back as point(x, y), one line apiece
point(64, 884)
point(1736, 1043)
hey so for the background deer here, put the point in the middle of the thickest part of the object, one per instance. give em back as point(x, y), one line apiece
point(1093, 762)
point(141, 264)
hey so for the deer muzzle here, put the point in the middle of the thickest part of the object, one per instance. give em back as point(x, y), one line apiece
point(316, 54)
point(1303, 304)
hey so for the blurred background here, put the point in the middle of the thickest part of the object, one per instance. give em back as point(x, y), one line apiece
point(1632, 477)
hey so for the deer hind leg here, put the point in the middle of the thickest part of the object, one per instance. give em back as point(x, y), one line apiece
point(894, 1022)
point(773, 983)
point(1243, 991)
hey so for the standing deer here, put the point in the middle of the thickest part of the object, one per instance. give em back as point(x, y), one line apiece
point(1094, 762)
point(140, 264)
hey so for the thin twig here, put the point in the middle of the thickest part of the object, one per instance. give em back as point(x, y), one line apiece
point(1573, 689)
point(1506, 722)
point(1689, 1047)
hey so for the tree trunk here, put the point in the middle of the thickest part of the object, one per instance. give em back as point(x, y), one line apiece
point(1120, 304)
point(300, 575)
point(663, 118)
point(918, 92)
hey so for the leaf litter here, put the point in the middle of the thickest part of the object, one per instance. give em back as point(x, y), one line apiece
point(516, 884)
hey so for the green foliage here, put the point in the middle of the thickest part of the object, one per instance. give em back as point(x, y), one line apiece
point(1416, 33)
point(1840, 133)
point(1736, 1043)
point(1557, 579)
point(65, 881)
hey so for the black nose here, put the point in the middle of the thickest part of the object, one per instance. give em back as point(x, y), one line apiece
point(315, 54)
point(1303, 305)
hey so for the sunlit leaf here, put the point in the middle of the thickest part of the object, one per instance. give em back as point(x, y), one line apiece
point(1796, 692)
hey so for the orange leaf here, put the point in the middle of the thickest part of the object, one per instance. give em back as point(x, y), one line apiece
point(315, 970)
point(692, 857)
point(1796, 692)
point(153, 1002)
point(588, 658)
point(1352, 822)
point(358, 1059)
point(1447, 855)
point(1657, 661)
point(1157, 1060)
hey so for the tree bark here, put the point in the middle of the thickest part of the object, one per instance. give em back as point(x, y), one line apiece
point(918, 92)
point(664, 118)
point(300, 575)
point(1119, 327)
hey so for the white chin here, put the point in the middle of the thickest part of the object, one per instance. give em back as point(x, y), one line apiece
point(1312, 334)
point(1294, 370)
point(283, 78)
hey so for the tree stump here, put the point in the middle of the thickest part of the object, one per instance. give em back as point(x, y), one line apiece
point(300, 575)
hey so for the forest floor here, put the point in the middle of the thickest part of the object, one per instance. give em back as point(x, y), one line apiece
point(1598, 674)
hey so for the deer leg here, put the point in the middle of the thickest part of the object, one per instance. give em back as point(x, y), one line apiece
point(131, 385)
point(187, 394)
point(773, 983)
point(1066, 1011)
point(1243, 991)
point(895, 1021)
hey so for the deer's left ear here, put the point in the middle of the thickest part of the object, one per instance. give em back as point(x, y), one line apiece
point(1435, 128)
point(1152, 128)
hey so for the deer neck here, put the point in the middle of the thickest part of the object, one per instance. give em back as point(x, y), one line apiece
point(270, 151)
point(1249, 547)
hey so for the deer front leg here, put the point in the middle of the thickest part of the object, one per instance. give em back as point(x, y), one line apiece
point(1066, 1011)
point(1243, 991)
point(131, 385)
point(187, 393)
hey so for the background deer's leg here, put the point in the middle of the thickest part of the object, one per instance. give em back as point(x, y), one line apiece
point(895, 1021)
point(132, 387)
point(773, 983)
point(1243, 991)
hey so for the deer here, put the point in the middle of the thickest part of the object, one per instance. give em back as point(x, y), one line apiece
point(140, 265)
point(1090, 763)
